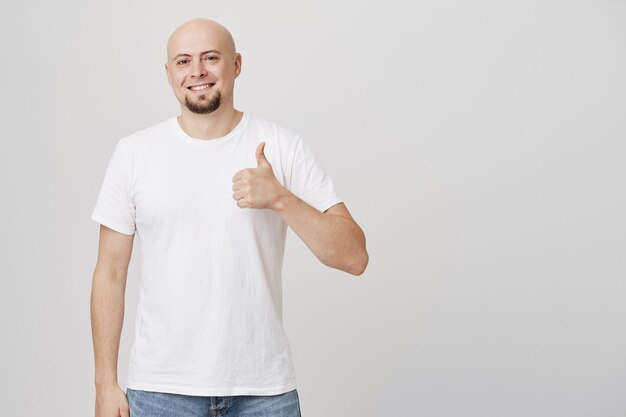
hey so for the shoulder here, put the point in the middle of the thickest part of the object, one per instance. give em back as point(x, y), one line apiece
point(139, 139)
point(281, 133)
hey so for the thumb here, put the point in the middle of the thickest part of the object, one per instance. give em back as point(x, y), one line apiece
point(260, 155)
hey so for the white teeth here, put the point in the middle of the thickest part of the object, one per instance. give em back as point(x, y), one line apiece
point(200, 87)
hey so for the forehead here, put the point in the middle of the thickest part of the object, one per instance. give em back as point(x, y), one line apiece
point(193, 42)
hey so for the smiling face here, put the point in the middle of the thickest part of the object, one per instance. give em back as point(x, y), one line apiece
point(202, 65)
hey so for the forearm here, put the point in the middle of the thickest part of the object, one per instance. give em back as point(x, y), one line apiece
point(107, 317)
point(336, 241)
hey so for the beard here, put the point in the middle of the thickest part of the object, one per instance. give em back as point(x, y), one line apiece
point(202, 106)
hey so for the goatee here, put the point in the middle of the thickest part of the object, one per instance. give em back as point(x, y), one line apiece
point(204, 107)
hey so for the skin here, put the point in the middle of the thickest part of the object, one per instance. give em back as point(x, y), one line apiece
point(333, 236)
point(204, 115)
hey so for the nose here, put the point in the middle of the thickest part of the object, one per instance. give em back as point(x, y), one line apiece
point(198, 70)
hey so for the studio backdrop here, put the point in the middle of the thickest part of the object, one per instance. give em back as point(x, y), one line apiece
point(481, 146)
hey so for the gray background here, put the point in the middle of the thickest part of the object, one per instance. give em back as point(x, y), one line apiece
point(480, 145)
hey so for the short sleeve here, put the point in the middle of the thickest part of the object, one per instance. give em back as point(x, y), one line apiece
point(309, 181)
point(114, 207)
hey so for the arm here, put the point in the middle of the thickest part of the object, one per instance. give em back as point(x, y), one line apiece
point(333, 236)
point(107, 302)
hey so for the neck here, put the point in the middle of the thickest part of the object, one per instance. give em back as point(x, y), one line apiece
point(209, 126)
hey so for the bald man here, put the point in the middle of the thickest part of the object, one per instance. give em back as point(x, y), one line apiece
point(209, 193)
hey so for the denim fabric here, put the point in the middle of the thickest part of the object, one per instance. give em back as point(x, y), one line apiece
point(162, 404)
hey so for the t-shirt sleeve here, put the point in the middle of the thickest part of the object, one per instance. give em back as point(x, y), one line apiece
point(114, 207)
point(309, 181)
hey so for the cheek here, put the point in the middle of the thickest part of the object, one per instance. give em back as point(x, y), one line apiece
point(178, 79)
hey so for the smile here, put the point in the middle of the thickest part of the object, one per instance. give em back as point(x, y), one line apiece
point(201, 87)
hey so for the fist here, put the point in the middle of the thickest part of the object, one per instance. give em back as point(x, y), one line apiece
point(257, 187)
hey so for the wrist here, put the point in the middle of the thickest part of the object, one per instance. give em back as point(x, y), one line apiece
point(282, 199)
point(106, 381)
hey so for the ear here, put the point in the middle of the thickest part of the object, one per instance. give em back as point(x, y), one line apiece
point(238, 60)
point(167, 74)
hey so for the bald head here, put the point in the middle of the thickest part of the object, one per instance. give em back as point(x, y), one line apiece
point(198, 33)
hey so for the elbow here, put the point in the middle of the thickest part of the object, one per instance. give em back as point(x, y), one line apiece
point(363, 258)
point(352, 259)
point(360, 265)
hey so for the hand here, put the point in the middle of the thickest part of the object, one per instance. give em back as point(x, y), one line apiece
point(111, 401)
point(257, 187)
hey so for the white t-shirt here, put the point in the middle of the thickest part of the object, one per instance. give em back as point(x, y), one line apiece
point(209, 317)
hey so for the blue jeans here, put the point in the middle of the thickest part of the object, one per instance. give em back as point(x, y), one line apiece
point(162, 404)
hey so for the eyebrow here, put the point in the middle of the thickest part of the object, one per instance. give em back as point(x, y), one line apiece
point(202, 53)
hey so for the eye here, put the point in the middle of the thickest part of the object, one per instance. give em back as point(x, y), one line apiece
point(211, 56)
point(181, 61)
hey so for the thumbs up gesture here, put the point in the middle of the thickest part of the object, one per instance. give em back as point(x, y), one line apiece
point(257, 187)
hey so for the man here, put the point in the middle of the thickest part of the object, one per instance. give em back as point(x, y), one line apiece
point(209, 194)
